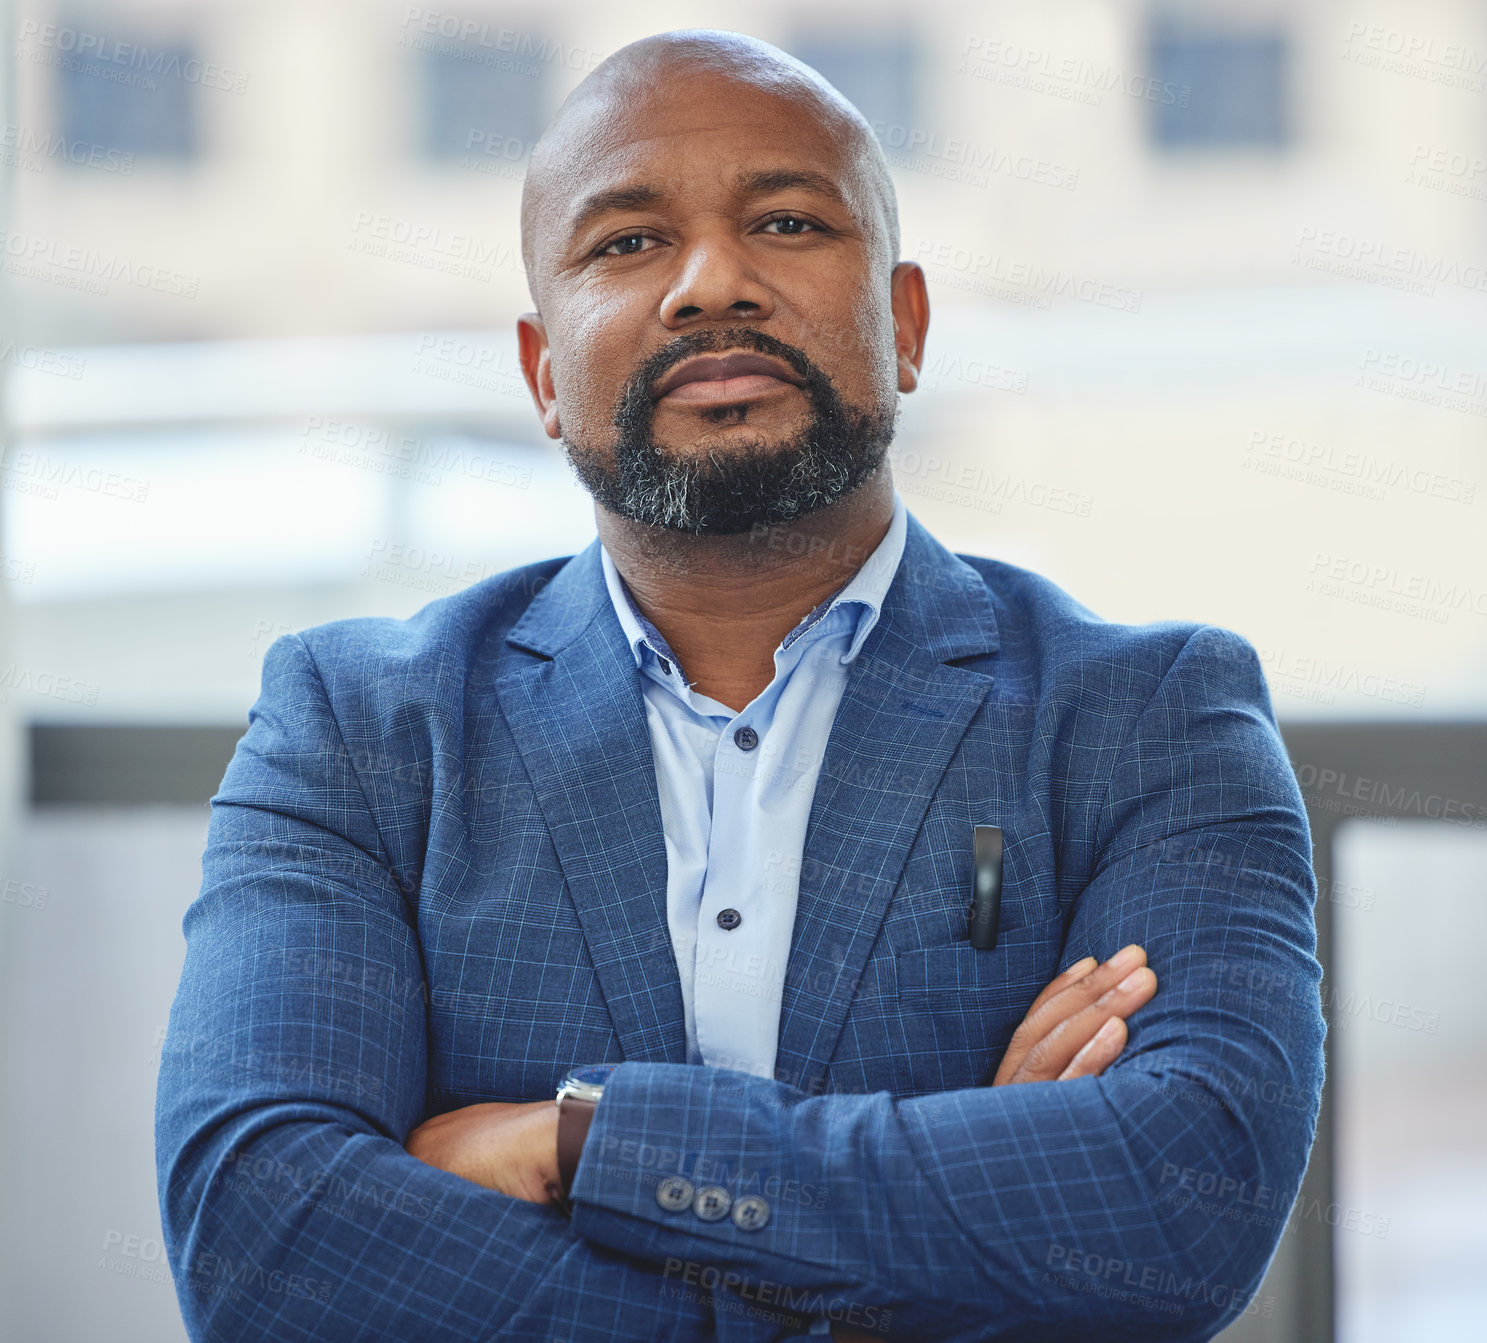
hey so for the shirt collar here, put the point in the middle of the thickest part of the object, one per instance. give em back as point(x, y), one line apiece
point(867, 588)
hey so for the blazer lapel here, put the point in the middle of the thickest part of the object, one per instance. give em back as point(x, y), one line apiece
point(578, 717)
point(901, 717)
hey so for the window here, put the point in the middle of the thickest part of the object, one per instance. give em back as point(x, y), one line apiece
point(1408, 1020)
point(137, 97)
point(1229, 89)
point(474, 96)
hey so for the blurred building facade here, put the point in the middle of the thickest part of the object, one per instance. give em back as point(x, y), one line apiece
point(1201, 274)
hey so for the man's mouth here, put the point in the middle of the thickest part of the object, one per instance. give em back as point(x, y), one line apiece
point(716, 379)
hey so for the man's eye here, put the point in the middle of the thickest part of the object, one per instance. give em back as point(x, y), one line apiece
point(626, 246)
point(791, 224)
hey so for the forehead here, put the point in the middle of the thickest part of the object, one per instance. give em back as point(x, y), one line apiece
point(707, 135)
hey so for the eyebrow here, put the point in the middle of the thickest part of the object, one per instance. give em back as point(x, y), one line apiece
point(784, 179)
point(615, 198)
point(757, 183)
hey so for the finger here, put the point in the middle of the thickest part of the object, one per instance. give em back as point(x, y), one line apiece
point(1023, 1038)
point(1079, 994)
point(1059, 983)
point(1099, 1053)
point(1059, 1001)
point(1055, 1051)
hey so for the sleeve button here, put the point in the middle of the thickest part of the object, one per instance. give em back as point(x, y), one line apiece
point(674, 1193)
point(750, 1213)
point(712, 1202)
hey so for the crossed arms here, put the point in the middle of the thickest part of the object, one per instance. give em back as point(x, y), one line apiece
point(1074, 1028)
point(294, 1209)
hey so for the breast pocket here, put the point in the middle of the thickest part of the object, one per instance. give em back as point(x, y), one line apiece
point(957, 1006)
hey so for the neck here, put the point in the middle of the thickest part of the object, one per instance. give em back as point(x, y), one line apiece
point(725, 602)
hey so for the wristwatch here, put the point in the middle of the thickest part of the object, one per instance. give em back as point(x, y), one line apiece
point(578, 1097)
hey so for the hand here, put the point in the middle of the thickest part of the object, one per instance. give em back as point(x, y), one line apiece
point(1076, 1027)
point(511, 1148)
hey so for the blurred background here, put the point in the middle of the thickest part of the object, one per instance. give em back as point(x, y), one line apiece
point(1208, 342)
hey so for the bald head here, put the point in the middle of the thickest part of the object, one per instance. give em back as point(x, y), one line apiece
point(631, 94)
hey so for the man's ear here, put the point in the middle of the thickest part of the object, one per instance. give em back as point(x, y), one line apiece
point(536, 367)
point(910, 301)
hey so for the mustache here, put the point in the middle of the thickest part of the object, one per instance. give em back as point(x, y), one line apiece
point(636, 395)
point(729, 489)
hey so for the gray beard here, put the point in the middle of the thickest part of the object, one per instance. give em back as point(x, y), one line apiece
point(724, 491)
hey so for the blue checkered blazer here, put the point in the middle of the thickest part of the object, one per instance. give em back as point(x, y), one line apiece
point(436, 875)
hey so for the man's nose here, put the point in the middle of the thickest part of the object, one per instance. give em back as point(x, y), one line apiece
point(716, 281)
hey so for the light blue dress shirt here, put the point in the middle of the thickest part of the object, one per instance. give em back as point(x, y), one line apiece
point(735, 792)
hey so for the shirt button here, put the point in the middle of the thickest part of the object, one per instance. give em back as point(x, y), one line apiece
point(712, 1202)
point(674, 1193)
point(750, 1213)
point(746, 739)
point(729, 919)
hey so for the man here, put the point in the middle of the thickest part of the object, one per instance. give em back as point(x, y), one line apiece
point(700, 802)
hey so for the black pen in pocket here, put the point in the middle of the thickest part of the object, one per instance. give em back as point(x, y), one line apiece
point(986, 889)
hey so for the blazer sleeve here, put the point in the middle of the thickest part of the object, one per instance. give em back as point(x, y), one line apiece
point(1054, 1209)
point(294, 1068)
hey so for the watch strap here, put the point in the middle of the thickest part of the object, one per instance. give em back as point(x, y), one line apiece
point(574, 1118)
